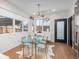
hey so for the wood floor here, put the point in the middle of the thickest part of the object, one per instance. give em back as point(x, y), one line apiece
point(61, 50)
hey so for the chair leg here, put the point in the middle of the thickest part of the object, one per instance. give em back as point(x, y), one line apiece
point(38, 49)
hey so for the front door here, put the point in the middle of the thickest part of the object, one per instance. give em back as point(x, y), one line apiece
point(60, 30)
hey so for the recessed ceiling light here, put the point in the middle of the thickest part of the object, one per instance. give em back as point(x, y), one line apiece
point(53, 10)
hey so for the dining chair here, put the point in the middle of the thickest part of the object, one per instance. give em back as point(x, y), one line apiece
point(26, 45)
point(39, 43)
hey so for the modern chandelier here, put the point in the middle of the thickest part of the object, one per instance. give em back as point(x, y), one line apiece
point(38, 13)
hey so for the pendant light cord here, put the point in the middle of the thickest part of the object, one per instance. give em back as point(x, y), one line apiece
point(38, 6)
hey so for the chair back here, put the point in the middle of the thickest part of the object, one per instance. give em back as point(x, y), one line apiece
point(38, 39)
point(25, 40)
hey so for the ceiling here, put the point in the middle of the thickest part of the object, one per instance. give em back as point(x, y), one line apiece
point(46, 5)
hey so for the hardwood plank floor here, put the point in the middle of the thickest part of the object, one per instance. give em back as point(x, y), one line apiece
point(61, 50)
point(12, 52)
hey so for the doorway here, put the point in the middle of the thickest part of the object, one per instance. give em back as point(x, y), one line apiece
point(61, 30)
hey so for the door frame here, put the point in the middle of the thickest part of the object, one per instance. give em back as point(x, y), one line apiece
point(70, 31)
point(65, 30)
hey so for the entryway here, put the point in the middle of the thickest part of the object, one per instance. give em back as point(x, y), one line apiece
point(61, 30)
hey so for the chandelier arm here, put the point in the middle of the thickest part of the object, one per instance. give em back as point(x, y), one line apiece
point(38, 5)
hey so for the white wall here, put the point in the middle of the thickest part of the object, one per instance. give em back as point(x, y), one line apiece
point(11, 40)
point(53, 17)
point(60, 15)
point(5, 4)
point(72, 13)
point(6, 13)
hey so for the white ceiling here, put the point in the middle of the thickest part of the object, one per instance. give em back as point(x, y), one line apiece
point(46, 5)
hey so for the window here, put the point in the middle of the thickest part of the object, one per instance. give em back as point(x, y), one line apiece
point(25, 26)
point(39, 28)
point(39, 21)
point(42, 24)
point(18, 26)
point(46, 28)
point(5, 25)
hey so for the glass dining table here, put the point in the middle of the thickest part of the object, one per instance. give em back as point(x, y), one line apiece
point(33, 44)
